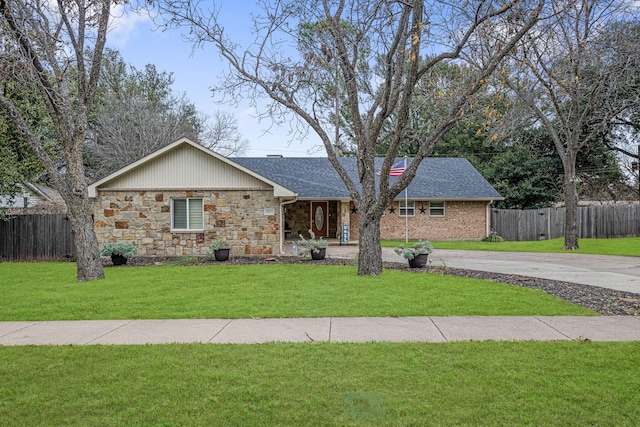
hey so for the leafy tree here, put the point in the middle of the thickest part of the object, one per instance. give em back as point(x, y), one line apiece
point(17, 163)
point(356, 35)
point(599, 172)
point(522, 168)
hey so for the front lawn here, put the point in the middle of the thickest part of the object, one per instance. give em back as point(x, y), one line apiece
point(624, 246)
point(450, 384)
point(49, 291)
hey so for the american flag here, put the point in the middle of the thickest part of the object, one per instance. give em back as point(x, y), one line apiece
point(398, 168)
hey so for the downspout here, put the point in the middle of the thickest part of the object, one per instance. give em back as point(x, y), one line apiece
point(487, 230)
point(281, 222)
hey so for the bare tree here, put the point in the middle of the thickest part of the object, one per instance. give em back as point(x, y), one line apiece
point(221, 134)
point(571, 75)
point(45, 44)
point(137, 112)
point(356, 35)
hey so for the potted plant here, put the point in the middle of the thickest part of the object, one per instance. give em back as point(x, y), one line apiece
point(316, 247)
point(417, 254)
point(220, 250)
point(119, 252)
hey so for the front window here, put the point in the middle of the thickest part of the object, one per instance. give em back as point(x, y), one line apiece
point(436, 208)
point(187, 214)
point(407, 208)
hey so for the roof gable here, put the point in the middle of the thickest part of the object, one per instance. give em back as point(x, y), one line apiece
point(185, 164)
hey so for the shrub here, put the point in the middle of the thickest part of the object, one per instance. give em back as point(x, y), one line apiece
point(125, 249)
point(493, 237)
point(418, 248)
point(306, 246)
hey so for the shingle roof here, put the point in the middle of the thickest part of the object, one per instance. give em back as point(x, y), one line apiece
point(315, 177)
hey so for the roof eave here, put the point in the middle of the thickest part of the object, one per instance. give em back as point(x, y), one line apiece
point(454, 199)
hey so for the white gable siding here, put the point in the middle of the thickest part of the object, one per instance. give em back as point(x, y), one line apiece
point(184, 168)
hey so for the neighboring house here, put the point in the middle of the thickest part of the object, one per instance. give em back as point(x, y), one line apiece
point(33, 198)
point(177, 200)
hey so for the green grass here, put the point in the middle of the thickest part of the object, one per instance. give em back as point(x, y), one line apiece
point(624, 246)
point(450, 384)
point(49, 291)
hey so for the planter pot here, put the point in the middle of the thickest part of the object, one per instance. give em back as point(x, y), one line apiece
point(221, 254)
point(319, 254)
point(118, 260)
point(418, 261)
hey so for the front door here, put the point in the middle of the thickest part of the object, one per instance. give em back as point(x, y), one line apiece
point(320, 218)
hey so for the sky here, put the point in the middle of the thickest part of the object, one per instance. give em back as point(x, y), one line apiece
point(195, 71)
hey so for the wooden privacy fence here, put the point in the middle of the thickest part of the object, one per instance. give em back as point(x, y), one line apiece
point(36, 238)
point(604, 221)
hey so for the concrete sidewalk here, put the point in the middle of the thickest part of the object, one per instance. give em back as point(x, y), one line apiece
point(336, 329)
point(612, 272)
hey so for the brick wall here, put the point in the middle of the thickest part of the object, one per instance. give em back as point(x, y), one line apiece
point(462, 220)
point(145, 218)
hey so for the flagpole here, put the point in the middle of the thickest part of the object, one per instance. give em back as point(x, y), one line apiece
point(406, 206)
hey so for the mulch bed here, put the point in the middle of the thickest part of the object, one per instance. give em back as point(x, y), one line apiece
point(604, 301)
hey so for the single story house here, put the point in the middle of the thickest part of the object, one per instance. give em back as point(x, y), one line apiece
point(179, 199)
point(33, 198)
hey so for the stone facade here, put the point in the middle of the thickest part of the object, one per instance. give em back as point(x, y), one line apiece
point(298, 219)
point(144, 217)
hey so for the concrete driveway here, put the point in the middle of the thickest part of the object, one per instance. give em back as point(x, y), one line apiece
point(612, 272)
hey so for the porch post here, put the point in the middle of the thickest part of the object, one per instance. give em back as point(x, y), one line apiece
point(345, 217)
point(281, 221)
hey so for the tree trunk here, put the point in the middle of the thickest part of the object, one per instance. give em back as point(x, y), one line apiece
point(369, 250)
point(571, 205)
point(89, 264)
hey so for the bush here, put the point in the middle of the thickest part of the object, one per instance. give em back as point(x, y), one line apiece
point(218, 244)
point(125, 249)
point(493, 237)
point(313, 244)
point(418, 248)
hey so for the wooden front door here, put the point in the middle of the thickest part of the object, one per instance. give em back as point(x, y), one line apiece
point(320, 218)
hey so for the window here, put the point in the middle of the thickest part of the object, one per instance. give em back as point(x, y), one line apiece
point(408, 208)
point(187, 214)
point(436, 208)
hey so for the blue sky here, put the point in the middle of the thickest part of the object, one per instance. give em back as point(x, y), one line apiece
point(195, 71)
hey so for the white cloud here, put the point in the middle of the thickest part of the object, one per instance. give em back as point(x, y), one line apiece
point(125, 23)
